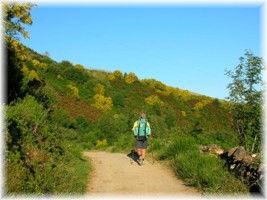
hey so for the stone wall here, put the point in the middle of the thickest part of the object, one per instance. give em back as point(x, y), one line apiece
point(244, 165)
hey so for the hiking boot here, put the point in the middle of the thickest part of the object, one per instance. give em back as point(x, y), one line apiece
point(141, 161)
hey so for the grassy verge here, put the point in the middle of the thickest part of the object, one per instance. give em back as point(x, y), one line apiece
point(203, 171)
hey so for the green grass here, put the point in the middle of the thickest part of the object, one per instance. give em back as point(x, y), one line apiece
point(203, 171)
point(125, 143)
point(206, 172)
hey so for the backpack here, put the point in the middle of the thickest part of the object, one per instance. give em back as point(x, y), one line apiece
point(141, 137)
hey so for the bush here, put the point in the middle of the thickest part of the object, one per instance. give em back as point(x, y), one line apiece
point(112, 125)
point(102, 103)
point(72, 73)
point(101, 144)
point(60, 117)
point(206, 172)
point(41, 155)
point(124, 142)
point(130, 78)
point(118, 100)
point(180, 145)
point(99, 89)
point(153, 100)
point(225, 140)
point(73, 91)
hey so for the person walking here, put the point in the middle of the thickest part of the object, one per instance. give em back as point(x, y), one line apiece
point(142, 131)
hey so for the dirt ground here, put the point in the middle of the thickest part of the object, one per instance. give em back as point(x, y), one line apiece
point(117, 173)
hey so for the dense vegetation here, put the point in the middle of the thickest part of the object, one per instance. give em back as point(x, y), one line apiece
point(55, 110)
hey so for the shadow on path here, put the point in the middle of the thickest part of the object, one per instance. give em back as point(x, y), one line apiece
point(133, 155)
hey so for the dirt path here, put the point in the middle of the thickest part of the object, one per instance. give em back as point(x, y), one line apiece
point(116, 173)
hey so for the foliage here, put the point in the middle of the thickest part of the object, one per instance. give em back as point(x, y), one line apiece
point(245, 93)
point(130, 78)
point(153, 100)
point(73, 90)
point(99, 89)
point(38, 157)
point(201, 104)
point(15, 16)
point(124, 143)
point(116, 75)
point(112, 125)
point(80, 67)
point(205, 172)
point(102, 103)
point(118, 100)
point(71, 72)
point(47, 129)
point(101, 144)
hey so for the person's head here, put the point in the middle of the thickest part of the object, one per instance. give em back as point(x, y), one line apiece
point(143, 115)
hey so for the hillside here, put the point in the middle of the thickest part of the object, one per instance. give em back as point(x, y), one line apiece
point(57, 110)
point(96, 95)
point(65, 121)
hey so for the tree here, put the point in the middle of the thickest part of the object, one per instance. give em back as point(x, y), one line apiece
point(245, 94)
point(16, 15)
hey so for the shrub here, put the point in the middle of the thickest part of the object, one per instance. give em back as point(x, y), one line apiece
point(170, 119)
point(201, 104)
point(180, 145)
point(158, 125)
point(41, 156)
point(116, 75)
point(183, 113)
point(73, 91)
point(31, 74)
point(118, 100)
point(124, 142)
point(113, 125)
point(111, 77)
point(130, 78)
point(37, 64)
point(204, 171)
point(99, 89)
point(72, 73)
point(102, 103)
point(80, 67)
point(101, 144)
point(207, 173)
point(60, 117)
point(153, 100)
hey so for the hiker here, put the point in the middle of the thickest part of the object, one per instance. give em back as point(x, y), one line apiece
point(142, 132)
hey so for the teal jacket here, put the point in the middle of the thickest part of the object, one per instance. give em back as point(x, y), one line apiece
point(141, 124)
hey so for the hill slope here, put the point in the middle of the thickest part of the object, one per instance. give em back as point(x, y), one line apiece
point(109, 93)
point(57, 110)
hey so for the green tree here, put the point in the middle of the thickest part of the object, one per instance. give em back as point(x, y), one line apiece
point(16, 15)
point(245, 94)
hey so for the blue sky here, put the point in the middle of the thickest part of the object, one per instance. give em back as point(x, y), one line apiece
point(185, 47)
